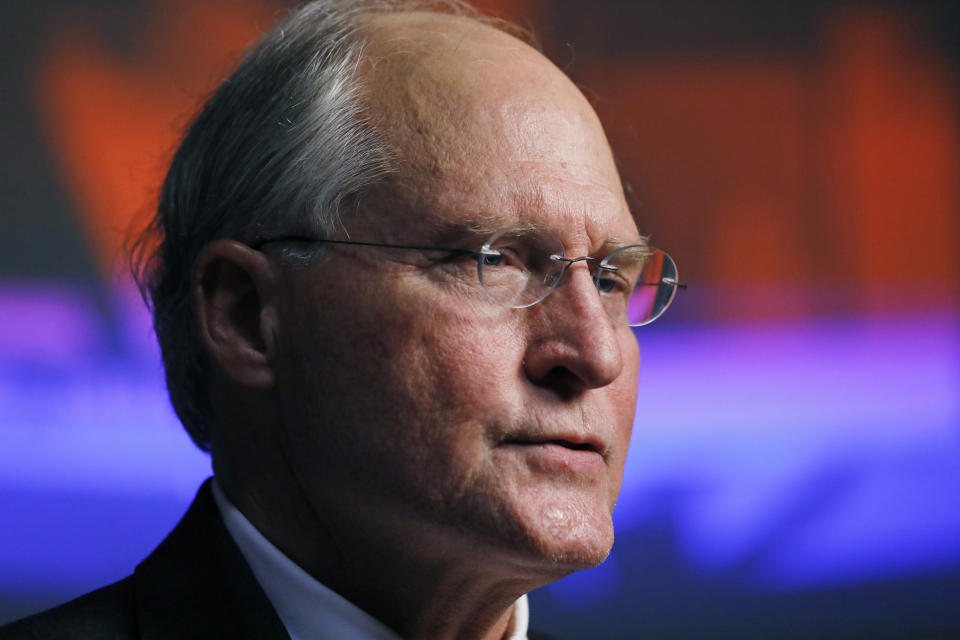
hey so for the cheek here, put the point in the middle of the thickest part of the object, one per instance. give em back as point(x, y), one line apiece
point(625, 387)
point(420, 373)
point(458, 372)
point(622, 399)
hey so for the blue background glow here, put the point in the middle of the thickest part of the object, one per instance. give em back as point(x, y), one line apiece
point(773, 459)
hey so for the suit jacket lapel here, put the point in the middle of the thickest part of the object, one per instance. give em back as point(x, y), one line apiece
point(196, 584)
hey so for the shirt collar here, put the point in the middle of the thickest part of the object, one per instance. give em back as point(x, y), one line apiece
point(306, 607)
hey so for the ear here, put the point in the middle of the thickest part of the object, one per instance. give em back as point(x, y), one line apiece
point(234, 294)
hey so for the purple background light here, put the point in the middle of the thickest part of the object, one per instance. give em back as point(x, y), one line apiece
point(789, 456)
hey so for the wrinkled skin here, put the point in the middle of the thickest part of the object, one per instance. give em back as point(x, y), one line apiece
point(440, 455)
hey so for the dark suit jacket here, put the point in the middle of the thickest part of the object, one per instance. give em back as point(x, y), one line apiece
point(196, 584)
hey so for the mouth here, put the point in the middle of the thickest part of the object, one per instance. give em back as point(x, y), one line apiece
point(576, 446)
point(574, 443)
point(559, 454)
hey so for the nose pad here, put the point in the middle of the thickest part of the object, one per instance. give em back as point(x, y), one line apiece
point(553, 278)
point(556, 278)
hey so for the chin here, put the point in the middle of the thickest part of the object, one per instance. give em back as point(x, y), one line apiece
point(577, 539)
point(564, 536)
point(546, 528)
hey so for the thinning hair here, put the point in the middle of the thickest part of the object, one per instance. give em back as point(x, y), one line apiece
point(282, 146)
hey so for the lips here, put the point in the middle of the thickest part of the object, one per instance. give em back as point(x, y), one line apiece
point(576, 446)
point(574, 443)
point(559, 453)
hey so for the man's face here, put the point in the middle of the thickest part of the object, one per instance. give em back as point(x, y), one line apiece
point(417, 409)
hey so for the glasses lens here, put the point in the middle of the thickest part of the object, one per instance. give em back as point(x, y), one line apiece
point(518, 268)
point(637, 284)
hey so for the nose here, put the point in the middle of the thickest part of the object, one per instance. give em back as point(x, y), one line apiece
point(573, 345)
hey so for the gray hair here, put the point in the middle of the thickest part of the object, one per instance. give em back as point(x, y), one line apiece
point(282, 146)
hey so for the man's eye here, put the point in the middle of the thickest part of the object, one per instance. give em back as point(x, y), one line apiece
point(611, 283)
point(492, 259)
point(606, 285)
point(506, 257)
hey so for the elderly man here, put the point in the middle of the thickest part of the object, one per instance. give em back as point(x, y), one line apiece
point(394, 295)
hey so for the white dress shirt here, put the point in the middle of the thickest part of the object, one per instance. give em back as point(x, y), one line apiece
point(306, 608)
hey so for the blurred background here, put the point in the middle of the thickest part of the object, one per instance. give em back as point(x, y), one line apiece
point(795, 471)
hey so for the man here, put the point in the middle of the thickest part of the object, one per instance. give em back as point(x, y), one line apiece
point(393, 296)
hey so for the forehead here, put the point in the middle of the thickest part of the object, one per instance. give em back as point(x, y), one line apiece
point(487, 133)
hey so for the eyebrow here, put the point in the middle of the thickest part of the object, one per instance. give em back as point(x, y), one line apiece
point(615, 242)
point(482, 226)
point(479, 225)
point(489, 224)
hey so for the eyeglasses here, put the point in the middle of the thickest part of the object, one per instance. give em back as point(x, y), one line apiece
point(520, 266)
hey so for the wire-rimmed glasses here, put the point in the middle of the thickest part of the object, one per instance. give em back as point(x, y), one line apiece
point(520, 266)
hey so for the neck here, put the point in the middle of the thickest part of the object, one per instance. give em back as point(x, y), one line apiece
point(426, 595)
point(405, 576)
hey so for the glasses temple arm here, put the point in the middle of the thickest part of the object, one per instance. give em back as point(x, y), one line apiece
point(358, 243)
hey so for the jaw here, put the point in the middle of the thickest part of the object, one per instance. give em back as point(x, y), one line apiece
point(542, 521)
